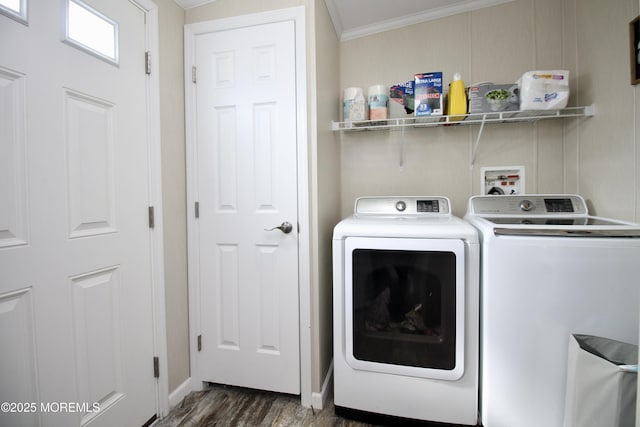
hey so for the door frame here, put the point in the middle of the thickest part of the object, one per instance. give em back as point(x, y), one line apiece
point(156, 238)
point(191, 31)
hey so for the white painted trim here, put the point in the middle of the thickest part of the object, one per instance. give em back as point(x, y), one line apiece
point(193, 228)
point(188, 4)
point(180, 392)
point(403, 21)
point(319, 400)
point(297, 15)
point(304, 215)
point(155, 199)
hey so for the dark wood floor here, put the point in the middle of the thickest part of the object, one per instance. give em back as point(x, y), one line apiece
point(231, 406)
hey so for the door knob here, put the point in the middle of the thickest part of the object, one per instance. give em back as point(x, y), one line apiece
point(285, 227)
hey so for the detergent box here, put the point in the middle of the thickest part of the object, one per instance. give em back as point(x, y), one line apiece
point(428, 94)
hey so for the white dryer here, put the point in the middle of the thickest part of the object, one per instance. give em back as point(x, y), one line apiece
point(406, 311)
point(549, 270)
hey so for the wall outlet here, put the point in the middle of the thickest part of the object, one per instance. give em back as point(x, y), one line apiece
point(498, 180)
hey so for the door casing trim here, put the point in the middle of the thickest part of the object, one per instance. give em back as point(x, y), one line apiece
point(156, 239)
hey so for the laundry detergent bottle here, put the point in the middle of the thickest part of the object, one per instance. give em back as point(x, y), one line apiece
point(457, 100)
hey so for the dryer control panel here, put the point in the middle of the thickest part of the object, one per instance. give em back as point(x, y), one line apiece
point(428, 205)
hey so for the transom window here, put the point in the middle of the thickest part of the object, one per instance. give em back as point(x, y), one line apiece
point(91, 31)
point(15, 9)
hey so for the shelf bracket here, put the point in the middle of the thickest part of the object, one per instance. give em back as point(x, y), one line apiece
point(475, 146)
point(402, 150)
point(590, 110)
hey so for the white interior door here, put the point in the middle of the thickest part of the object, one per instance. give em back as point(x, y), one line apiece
point(75, 288)
point(247, 184)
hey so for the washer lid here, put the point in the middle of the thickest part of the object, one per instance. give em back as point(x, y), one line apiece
point(590, 221)
point(569, 232)
point(552, 215)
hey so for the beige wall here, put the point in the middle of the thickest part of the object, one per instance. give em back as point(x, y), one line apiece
point(605, 162)
point(171, 21)
point(326, 182)
point(598, 157)
point(559, 156)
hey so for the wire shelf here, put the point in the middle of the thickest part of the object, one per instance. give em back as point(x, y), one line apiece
point(462, 120)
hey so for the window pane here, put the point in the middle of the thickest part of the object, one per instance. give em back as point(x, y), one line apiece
point(15, 9)
point(13, 5)
point(93, 31)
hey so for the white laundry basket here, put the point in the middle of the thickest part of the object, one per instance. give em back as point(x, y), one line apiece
point(601, 382)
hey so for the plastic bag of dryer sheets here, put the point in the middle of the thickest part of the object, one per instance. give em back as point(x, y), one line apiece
point(402, 98)
point(544, 90)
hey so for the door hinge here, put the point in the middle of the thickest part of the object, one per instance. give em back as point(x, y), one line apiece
point(193, 74)
point(199, 342)
point(147, 62)
point(197, 209)
point(152, 220)
point(156, 367)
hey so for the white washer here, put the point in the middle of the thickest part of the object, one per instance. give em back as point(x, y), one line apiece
point(406, 309)
point(549, 270)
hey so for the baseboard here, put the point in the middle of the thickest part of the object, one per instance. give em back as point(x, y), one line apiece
point(176, 396)
point(319, 400)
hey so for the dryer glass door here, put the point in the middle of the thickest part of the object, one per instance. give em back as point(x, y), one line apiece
point(404, 303)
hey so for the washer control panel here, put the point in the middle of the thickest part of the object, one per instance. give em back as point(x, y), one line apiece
point(538, 204)
point(429, 205)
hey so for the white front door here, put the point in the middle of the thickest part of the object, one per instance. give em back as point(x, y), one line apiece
point(246, 185)
point(76, 332)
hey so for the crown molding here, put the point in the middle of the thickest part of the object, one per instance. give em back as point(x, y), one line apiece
point(403, 21)
point(188, 4)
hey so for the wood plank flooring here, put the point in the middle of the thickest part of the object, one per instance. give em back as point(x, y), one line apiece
point(237, 407)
